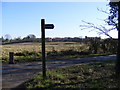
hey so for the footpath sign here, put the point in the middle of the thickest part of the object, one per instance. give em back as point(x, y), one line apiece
point(43, 27)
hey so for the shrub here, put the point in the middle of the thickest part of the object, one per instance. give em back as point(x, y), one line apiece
point(53, 53)
point(69, 52)
point(19, 54)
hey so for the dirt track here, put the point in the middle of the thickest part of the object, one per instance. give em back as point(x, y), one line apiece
point(15, 74)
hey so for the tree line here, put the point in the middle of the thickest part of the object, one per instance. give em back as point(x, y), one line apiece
point(95, 44)
point(32, 38)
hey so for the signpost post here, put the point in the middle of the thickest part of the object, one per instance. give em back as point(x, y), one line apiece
point(43, 27)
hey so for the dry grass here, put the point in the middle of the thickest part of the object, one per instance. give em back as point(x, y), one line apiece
point(36, 47)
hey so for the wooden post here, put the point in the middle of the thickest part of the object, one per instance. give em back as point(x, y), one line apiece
point(43, 47)
point(11, 58)
point(43, 27)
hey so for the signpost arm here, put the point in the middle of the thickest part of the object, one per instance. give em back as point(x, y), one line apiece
point(43, 47)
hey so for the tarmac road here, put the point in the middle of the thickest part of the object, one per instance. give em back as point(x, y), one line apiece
point(14, 75)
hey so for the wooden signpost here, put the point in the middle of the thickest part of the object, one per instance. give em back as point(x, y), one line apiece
point(43, 27)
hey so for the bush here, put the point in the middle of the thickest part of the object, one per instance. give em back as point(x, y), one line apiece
point(19, 54)
point(67, 52)
point(27, 53)
point(53, 53)
point(84, 53)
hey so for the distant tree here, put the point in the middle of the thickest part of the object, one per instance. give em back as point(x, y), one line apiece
point(2, 38)
point(18, 38)
point(7, 38)
point(31, 36)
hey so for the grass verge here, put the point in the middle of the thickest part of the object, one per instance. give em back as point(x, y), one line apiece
point(26, 56)
point(93, 75)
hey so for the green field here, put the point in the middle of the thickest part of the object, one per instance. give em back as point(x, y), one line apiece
point(99, 75)
point(35, 48)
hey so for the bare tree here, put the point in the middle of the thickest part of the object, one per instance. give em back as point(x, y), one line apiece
point(112, 20)
point(101, 29)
